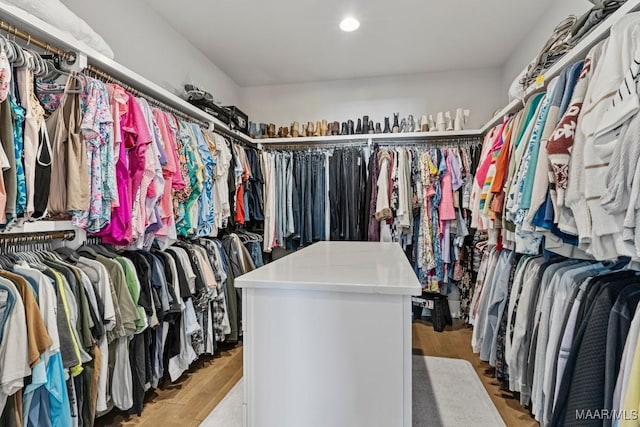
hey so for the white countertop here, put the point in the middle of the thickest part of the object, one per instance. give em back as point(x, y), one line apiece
point(363, 267)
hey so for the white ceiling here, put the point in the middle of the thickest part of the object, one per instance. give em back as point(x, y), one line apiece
point(262, 42)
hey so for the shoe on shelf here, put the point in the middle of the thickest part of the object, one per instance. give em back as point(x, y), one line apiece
point(432, 124)
point(387, 126)
point(272, 130)
point(263, 131)
point(424, 124)
point(378, 128)
point(365, 125)
point(310, 130)
point(324, 128)
point(462, 117)
point(345, 130)
point(371, 129)
point(441, 124)
point(359, 127)
point(350, 128)
point(253, 130)
point(396, 125)
point(294, 130)
point(336, 128)
point(449, 120)
point(403, 126)
point(411, 124)
point(318, 131)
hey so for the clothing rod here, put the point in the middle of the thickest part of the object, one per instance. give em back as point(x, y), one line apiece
point(10, 29)
point(70, 56)
point(101, 75)
point(39, 236)
point(362, 143)
point(231, 134)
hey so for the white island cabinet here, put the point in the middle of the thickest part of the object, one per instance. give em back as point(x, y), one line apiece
point(327, 337)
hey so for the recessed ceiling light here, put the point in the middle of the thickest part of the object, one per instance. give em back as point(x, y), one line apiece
point(349, 24)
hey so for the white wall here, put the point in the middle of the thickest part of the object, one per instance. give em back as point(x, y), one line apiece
point(478, 90)
point(533, 42)
point(144, 42)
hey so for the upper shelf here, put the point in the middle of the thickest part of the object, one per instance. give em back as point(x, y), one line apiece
point(42, 30)
point(578, 52)
point(374, 137)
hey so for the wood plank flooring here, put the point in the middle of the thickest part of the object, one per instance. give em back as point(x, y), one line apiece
point(192, 398)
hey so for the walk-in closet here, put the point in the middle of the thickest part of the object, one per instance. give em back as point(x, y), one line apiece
point(308, 214)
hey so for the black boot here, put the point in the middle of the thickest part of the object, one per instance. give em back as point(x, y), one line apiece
point(365, 125)
point(344, 131)
point(378, 128)
point(396, 125)
point(371, 128)
point(387, 127)
point(359, 127)
point(350, 128)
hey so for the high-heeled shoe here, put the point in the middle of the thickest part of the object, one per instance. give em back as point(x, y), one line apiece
point(378, 128)
point(449, 120)
point(272, 130)
point(371, 127)
point(294, 130)
point(344, 131)
point(424, 124)
point(318, 131)
point(310, 130)
point(387, 126)
point(263, 131)
point(396, 125)
point(303, 132)
point(365, 125)
point(359, 127)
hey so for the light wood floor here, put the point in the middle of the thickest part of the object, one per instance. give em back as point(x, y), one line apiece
point(188, 402)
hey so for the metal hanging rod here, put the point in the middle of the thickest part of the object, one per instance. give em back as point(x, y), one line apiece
point(441, 142)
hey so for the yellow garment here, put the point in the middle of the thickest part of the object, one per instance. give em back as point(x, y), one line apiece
point(75, 370)
point(631, 399)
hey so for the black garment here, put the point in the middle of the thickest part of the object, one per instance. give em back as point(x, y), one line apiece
point(183, 283)
point(254, 186)
point(619, 323)
point(582, 383)
point(42, 180)
point(143, 271)
point(137, 356)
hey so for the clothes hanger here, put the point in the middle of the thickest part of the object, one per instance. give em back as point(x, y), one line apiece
point(102, 250)
point(87, 252)
point(67, 254)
